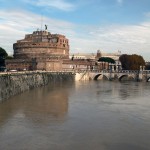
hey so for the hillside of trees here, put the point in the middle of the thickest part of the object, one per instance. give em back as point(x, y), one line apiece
point(131, 62)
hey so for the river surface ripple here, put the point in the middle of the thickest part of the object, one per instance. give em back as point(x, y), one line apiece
point(87, 115)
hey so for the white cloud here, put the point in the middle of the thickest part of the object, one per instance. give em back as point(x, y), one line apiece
point(131, 39)
point(111, 38)
point(59, 4)
point(15, 24)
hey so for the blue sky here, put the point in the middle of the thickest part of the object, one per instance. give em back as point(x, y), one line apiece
point(90, 25)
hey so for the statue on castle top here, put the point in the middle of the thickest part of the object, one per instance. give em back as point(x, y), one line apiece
point(45, 27)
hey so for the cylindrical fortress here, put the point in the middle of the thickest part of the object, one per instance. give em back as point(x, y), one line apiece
point(42, 44)
point(40, 50)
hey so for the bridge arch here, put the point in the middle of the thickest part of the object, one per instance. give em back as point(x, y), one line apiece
point(98, 75)
point(148, 79)
point(121, 77)
point(129, 77)
point(132, 77)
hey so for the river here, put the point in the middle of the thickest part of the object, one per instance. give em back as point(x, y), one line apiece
point(87, 115)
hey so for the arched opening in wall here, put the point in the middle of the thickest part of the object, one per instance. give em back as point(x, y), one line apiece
point(130, 78)
point(123, 78)
point(148, 79)
point(126, 78)
point(105, 77)
point(100, 77)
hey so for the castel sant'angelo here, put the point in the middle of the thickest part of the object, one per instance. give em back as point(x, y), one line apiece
point(40, 50)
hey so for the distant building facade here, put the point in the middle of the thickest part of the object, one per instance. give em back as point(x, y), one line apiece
point(95, 56)
point(90, 60)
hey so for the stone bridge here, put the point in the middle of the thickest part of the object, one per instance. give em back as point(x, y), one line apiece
point(143, 75)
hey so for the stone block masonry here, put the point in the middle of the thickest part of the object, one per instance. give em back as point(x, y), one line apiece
point(15, 83)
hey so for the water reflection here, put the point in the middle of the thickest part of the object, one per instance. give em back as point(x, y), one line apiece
point(37, 105)
point(129, 90)
point(123, 90)
point(99, 115)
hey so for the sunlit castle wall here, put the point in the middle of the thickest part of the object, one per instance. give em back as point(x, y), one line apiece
point(42, 44)
point(40, 50)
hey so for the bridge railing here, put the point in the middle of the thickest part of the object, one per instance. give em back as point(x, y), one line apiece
point(79, 71)
point(114, 71)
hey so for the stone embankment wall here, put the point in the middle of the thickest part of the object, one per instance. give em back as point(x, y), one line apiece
point(15, 83)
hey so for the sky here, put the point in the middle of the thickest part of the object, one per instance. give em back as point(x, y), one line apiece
point(90, 25)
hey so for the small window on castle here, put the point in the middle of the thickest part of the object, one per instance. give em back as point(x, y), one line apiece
point(63, 45)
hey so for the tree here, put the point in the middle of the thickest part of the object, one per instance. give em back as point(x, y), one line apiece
point(9, 57)
point(3, 55)
point(107, 59)
point(131, 62)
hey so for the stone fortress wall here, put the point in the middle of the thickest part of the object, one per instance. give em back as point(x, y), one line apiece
point(41, 44)
point(40, 50)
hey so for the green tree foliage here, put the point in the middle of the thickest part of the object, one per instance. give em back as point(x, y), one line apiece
point(3, 55)
point(107, 59)
point(9, 57)
point(147, 67)
point(131, 62)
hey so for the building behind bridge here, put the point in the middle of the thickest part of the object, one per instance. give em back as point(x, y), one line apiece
point(90, 60)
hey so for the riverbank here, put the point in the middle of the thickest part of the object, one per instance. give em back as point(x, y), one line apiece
point(17, 82)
